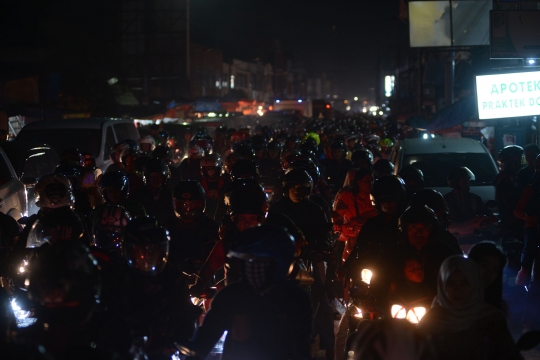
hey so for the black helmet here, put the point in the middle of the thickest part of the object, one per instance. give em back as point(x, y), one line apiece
point(309, 166)
point(362, 154)
point(247, 197)
point(61, 278)
point(72, 157)
point(192, 191)
point(388, 189)
point(432, 199)
point(156, 166)
point(267, 242)
point(415, 215)
point(73, 173)
point(162, 153)
point(245, 151)
point(114, 179)
point(461, 172)
point(146, 245)
point(108, 226)
point(411, 173)
point(297, 177)
point(54, 191)
point(245, 169)
point(340, 145)
point(230, 160)
point(383, 167)
point(274, 145)
point(58, 225)
point(510, 153)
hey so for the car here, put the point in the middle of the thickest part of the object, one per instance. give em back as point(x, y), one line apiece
point(96, 135)
point(436, 156)
point(12, 192)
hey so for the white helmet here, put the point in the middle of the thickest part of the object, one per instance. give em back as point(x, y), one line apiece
point(148, 140)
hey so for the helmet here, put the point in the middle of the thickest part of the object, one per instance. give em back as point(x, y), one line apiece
point(129, 152)
point(291, 139)
point(71, 172)
point(61, 278)
point(146, 245)
point(410, 173)
point(162, 153)
point(415, 215)
point(245, 151)
point(362, 154)
point(285, 154)
point(147, 144)
point(116, 151)
point(211, 160)
point(239, 136)
point(156, 166)
point(388, 189)
point(461, 172)
point(247, 197)
point(54, 191)
point(314, 136)
point(432, 199)
point(245, 169)
point(386, 143)
point(205, 145)
point(189, 199)
point(274, 145)
point(114, 179)
point(196, 151)
point(108, 225)
point(339, 145)
point(297, 177)
point(309, 166)
point(230, 160)
point(89, 160)
point(58, 225)
point(309, 145)
point(71, 157)
point(269, 242)
point(510, 153)
point(383, 167)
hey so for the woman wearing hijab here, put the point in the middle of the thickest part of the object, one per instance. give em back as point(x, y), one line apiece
point(461, 325)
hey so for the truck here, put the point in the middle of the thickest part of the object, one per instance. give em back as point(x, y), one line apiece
point(305, 107)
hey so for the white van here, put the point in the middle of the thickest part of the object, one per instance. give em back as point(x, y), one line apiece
point(437, 156)
point(96, 135)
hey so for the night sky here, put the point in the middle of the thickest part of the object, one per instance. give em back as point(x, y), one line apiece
point(340, 37)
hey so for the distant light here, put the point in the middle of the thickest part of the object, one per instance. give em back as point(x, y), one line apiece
point(380, 113)
point(425, 136)
point(299, 100)
point(356, 98)
point(345, 102)
point(531, 61)
point(211, 114)
point(364, 110)
point(112, 81)
point(328, 106)
point(432, 136)
point(277, 101)
point(232, 81)
point(270, 108)
point(373, 108)
point(374, 113)
point(348, 108)
point(260, 107)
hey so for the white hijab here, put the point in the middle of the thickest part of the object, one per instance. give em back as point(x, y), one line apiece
point(445, 317)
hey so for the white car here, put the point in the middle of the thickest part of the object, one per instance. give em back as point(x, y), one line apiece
point(437, 156)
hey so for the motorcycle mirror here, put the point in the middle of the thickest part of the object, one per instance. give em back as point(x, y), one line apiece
point(529, 340)
point(492, 203)
point(29, 181)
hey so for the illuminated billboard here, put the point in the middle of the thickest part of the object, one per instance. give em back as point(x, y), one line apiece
point(508, 95)
point(435, 23)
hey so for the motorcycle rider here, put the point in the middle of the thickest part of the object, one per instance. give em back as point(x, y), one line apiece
point(337, 167)
point(382, 168)
point(147, 144)
point(466, 210)
point(156, 300)
point(414, 180)
point(525, 176)
point(165, 154)
point(362, 159)
point(507, 191)
point(193, 233)
point(190, 168)
point(155, 196)
point(266, 315)
point(212, 182)
point(114, 186)
point(270, 165)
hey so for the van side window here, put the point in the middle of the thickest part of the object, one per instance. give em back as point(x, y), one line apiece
point(125, 131)
point(109, 142)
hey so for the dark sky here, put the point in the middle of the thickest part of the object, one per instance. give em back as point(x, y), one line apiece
point(340, 37)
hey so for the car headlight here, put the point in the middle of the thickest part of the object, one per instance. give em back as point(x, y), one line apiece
point(366, 275)
point(413, 315)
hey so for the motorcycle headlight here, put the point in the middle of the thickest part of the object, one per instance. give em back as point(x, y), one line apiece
point(398, 312)
point(416, 314)
point(358, 313)
point(366, 275)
